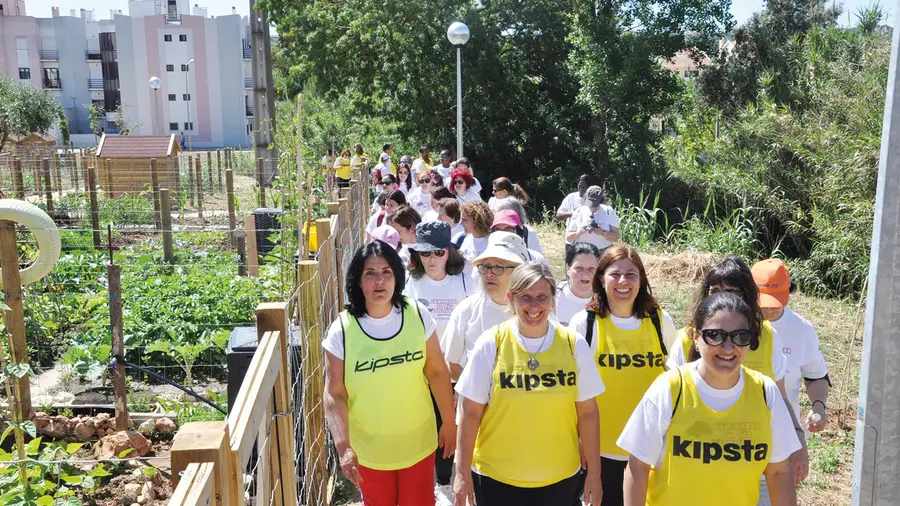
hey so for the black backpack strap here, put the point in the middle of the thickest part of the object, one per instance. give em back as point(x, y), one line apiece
point(680, 388)
point(464, 285)
point(589, 332)
point(654, 318)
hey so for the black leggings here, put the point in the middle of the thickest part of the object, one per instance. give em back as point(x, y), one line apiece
point(490, 492)
point(612, 479)
point(443, 468)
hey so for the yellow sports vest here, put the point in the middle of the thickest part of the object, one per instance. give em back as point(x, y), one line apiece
point(529, 433)
point(392, 423)
point(343, 170)
point(629, 361)
point(707, 450)
point(759, 359)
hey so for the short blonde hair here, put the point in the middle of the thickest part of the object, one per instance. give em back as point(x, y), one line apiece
point(525, 276)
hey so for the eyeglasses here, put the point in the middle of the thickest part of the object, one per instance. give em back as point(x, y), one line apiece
point(424, 181)
point(438, 253)
point(627, 276)
point(459, 182)
point(496, 270)
point(717, 337)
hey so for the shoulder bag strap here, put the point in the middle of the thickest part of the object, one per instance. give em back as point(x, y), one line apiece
point(654, 318)
point(589, 332)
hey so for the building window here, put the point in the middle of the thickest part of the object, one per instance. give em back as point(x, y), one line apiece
point(171, 97)
point(182, 38)
point(173, 127)
point(186, 97)
point(167, 38)
point(189, 125)
point(24, 73)
point(184, 68)
point(170, 68)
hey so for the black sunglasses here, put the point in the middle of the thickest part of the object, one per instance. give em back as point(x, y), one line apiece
point(717, 337)
point(438, 253)
point(459, 181)
point(424, 180)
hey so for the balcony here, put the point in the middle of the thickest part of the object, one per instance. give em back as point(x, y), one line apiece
point(95, 84)
point(92, 54)
point(49, 54)
point(249, 111)
point(173, 19)
point(248, 83)
point(246, 52)
point(52, 84)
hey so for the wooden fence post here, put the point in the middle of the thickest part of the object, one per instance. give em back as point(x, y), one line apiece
point(219, 166)
point(57, 174)
point(200, 485)
point(326, 261)
point(154, 192)
point(108, 174)
point(36, 171)
point(310, 302)
point(232, 217)
point(343, 239)
point(209, 172)
point(199, 188)
point(252, 253)
point(273, 317)
point(15, 317)
point(190, 171)
point(91, 182)
point(166, 224)
point(48, 187)
point(18, 180)
point(260, 167)
point(176, 171)
point(118, 345)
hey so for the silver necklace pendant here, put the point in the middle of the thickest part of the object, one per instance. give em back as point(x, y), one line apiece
point(533, 363)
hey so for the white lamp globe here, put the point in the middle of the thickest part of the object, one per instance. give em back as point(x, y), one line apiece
point(458, 34)
point(155, 83)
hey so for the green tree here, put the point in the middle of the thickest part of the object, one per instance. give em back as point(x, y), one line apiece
point(24, 110)
point(63, 126)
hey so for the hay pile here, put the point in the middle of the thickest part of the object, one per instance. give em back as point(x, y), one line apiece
point(688, 266)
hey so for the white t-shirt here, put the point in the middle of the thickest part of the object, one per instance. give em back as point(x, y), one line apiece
point(455, 231)
point(471, 318)
point(644, 436)
point(404, 255)
point(779, 364)
point(572, 202)
point(494, 204)
point(404, 190)
point(800, 345)
point(376, 328)
point(373, 222)
point(471, 248)
point(477, 378)
point(568, 304)
point(443, 171)
point(430, 215)
point(534, 256)
point(440, 298)
point(533, 242)
point(605, 217)
point(578, 324)
point(419, 200)
point(470, 195)
point(418, 166)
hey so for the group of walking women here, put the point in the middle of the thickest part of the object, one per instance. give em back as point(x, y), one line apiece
point(581, 390)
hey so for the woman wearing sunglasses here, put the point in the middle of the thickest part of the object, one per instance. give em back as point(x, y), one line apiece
point(462, 185)
point(419, 198)
point(527, 404)
point(404, 180)
point(706, 432)
point(626, 331)
point(734, 276)
point(437, 283)
point(379, 410)
point(504, 188)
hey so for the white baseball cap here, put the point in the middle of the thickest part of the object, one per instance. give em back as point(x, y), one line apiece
point(505, 246)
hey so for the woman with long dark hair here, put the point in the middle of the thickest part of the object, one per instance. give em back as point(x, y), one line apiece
point(705, 433)
point(626, 331)
point(404, 177)
point(383, 363)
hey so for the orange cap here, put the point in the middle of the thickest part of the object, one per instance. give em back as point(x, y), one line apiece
point(774, 282)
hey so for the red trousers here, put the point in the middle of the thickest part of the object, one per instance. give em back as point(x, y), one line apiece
point(413, 486)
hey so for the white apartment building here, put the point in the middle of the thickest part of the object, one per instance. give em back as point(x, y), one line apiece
point(203, 66)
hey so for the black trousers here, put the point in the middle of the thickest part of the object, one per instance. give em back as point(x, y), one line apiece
point(443, 468)
point(612, 479)
point(490, 492)
point(341, 182)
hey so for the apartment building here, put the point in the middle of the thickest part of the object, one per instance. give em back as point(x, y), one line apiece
point(203, 66)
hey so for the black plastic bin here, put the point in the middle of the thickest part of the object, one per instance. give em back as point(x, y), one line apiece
point(268, 222)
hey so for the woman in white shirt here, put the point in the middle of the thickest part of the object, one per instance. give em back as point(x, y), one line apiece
point(420, 196)
point(448, 212)
point(711, 427)
point(513, 204)
point(594, 222)
point(437, 194)
point(504, 188)
point(476, 220)
point(528, 406)
point(404, 177)
point(404, 220)
point(575, 291)
point(462, 184)
point(380, 410)
point(392, 201)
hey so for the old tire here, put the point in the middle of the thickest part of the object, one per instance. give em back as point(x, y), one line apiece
point(44, 231)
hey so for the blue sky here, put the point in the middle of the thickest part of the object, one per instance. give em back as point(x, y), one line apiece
point(740, 9)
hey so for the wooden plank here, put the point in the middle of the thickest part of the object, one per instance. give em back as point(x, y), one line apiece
point(166, 219)
point(48, 186)
point(255, 392)
point(252, 252)
point(199, 442)
point(18, 180)
point(264, 444)
point(91, 182)
point(118, 345)
point(260, 170)
point(15, 317)
point(199, 171)
point(154, 192)
point(196, 486)
point(310, 302)
point(229, 194)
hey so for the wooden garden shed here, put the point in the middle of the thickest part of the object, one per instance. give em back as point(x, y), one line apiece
point(32, 145)
point(125, 163)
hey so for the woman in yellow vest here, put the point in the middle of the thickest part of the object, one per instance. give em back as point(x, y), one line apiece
point(627, 332)
point(706, 432)
point(527, 399)
point(733, 275)
point(342, 172)
point(382, 358)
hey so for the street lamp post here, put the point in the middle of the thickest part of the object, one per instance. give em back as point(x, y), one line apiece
point(155, 84)
point(458, 35)
point(187, 92)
